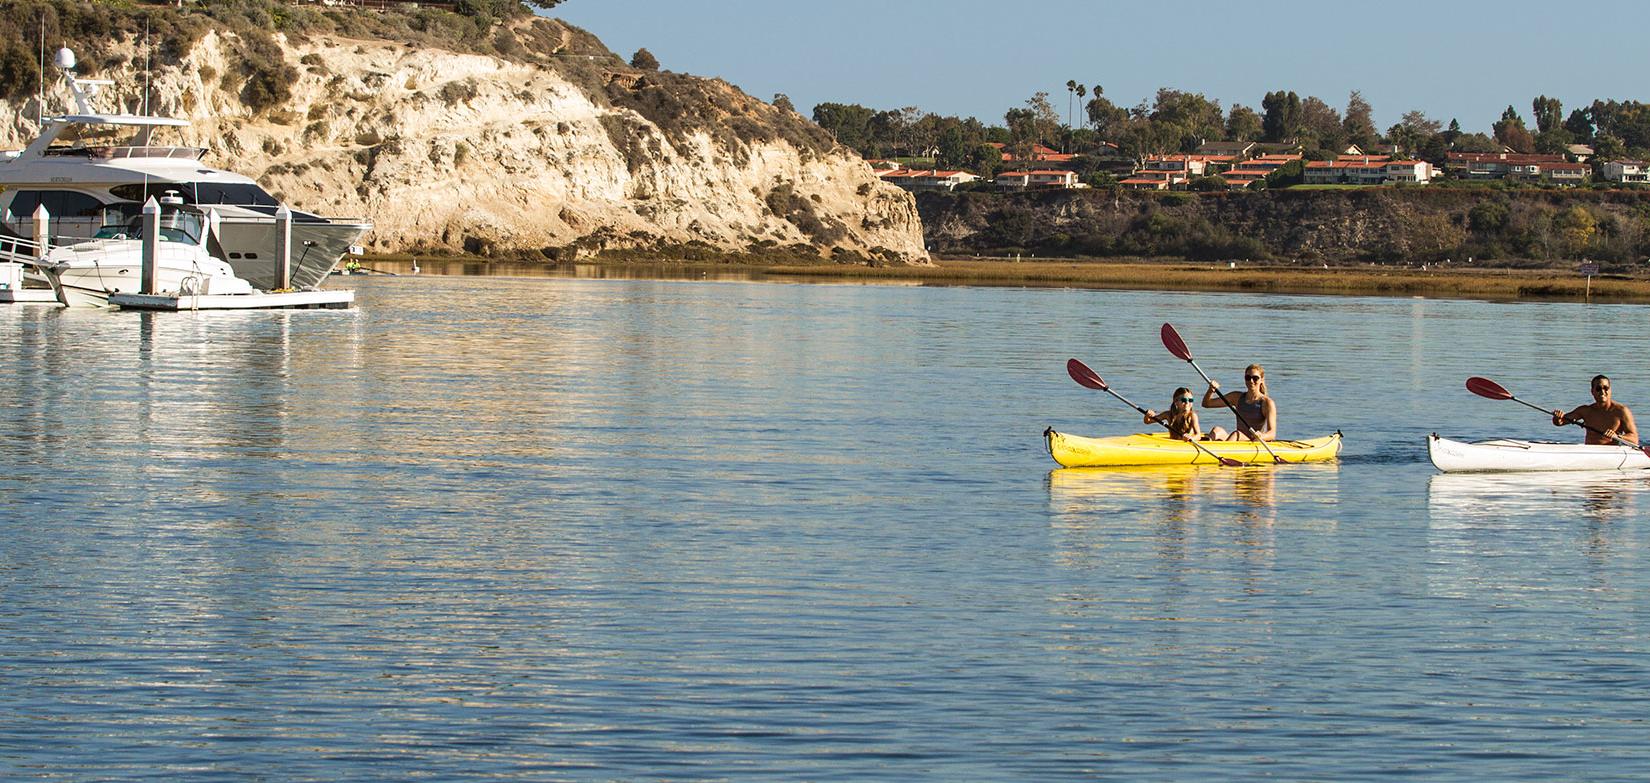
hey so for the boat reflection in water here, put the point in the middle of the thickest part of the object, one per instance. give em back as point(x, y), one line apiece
point(1176, 506)
point(1467, 499)
point(1501, 534)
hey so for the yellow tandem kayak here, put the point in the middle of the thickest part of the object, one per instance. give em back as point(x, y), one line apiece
point(1158, 448)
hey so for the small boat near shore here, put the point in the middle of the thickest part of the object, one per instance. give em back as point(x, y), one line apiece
point(1509, 455)
point(85, 273)
point(1074, 451)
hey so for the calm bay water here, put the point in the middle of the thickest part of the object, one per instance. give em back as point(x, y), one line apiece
point(646, 530)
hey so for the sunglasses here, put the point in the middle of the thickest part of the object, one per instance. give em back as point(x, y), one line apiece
point(1185, 399)
point(1251, 377)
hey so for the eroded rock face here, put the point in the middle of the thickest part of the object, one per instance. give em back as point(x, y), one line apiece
point(469, 153)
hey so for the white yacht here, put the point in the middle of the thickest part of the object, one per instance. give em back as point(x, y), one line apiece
point(111, 262)
point(85, 162)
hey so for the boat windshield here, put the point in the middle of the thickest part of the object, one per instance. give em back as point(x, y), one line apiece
point(125, 221)
point(234, 193)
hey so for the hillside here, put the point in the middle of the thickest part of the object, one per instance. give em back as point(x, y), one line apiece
point(516, 136)
point(1382, 225)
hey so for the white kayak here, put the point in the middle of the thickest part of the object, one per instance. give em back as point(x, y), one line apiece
point(1506, 455)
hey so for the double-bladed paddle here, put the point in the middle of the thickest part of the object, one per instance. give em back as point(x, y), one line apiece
point(1485, 387)
point(1084, 376)
point(1177, 346)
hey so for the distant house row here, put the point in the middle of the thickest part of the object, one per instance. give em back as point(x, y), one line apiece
point(942, 179)
point(1242, 163)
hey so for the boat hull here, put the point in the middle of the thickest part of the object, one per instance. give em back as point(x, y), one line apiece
point(85, 274)
point(1507, 455)
point(1074, 451)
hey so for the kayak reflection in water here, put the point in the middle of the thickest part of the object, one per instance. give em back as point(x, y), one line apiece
point(1257, 416)
point(1180, 418)
point(1602, 415)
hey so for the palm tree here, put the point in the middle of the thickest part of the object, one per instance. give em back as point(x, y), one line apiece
point(1071, 91)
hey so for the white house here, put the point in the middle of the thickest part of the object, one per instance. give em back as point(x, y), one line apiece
point(1043, 178)
point(1626, 171)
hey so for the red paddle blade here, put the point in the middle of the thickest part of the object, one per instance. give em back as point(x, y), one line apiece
point(1081, 373)
point(1485, 387)
point(1176, 346)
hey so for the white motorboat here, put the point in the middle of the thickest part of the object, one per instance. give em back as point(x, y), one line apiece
point(82, 163)
point(1507, 455)
point(85, 273)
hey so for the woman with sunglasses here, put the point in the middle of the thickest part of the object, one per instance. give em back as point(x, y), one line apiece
point(1257, 416)
point(1180, 418)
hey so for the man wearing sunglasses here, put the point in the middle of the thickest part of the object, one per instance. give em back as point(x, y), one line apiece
point(1604, 415)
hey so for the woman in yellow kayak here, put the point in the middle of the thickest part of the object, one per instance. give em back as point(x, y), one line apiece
point(1257, 415)
point(1180, 418)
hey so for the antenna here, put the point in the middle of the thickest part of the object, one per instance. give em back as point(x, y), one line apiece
point(40, 97)
point(148, 64)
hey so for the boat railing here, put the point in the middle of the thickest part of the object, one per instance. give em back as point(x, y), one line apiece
point(19, 250)
point(262, 220)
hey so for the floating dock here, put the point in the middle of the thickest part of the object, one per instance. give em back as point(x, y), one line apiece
point(21, 295)
point(294, 300)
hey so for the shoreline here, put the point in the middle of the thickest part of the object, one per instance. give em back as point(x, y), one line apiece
point(1453, 281)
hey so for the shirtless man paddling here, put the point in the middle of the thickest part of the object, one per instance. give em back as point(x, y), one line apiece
point(1602, 415)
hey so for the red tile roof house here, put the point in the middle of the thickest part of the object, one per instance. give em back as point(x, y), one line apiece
point(1370, 170)
point(1270, 162)
point(1495, 165)
point(1153, 180)
point(927, 179)
point(1564, 173)
point(1039, 154)
point(1191, 165)
point(1043, 178)
point(1240, 178)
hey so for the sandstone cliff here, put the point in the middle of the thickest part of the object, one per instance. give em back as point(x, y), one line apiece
point(554, 158)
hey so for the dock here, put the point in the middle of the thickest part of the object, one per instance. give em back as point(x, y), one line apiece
point(293, 300)
point(22, 295)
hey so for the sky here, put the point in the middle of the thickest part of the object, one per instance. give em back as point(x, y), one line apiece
point(1465, 59)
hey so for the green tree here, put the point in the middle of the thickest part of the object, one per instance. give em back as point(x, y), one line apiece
point(782, 102)
point(1047, 120)
point(1243, 123)
point(1510, 131)
point(1022, 133)
point(848, 123)
point(643, 59)
point(1608, 147)
point(1188, 116)
point(1208, 184)
point(1359, 123)
point(1453, 132)
point(1580, 125)
point(1475, 142)
point(1320, 126)
point(1106, 118)
point(1280, 116)
point(1574, 228)
point(1548, 113)
point(984, 160)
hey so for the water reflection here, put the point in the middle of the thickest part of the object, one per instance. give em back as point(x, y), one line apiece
point(1464, 499)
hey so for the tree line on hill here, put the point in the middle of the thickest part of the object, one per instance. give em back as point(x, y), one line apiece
point(1179, 121)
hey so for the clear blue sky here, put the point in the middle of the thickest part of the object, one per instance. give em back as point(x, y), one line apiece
point(1466, 60)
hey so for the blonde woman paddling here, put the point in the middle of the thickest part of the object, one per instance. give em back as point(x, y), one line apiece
point(1180, 418)
point(1257, 415)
